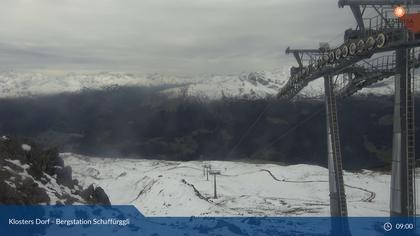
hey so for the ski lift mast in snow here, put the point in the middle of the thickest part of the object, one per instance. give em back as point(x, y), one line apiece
point(214, 173)
point(206, 169)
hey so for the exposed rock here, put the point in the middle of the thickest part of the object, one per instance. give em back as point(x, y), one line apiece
point(101, 196)
point(31, 175)
point(95, 195)
point(64, 177)
point(25, 191)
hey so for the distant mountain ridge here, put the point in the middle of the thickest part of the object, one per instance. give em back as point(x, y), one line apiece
point(245, 85)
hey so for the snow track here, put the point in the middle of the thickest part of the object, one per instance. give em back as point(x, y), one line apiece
point(170, 188)
point(197, 193)
point(370, 198)
point(146, 189)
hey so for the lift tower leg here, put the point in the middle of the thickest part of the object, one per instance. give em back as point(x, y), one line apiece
point(338, 204)
point(403, 154)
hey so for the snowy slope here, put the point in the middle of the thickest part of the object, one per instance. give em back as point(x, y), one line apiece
point(167, 188)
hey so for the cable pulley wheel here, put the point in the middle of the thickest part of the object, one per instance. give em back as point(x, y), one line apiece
point(352, 49)
point(338, 53)
point(370, 43)
point(319, 63)
point(360, 46)
point(331, 57)
point(325, 59)
point(380, 40)
point(344, 51)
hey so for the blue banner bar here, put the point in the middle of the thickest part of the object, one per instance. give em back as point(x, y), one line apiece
point(127, 220)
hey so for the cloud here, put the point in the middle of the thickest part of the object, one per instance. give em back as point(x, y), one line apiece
point(166, 36)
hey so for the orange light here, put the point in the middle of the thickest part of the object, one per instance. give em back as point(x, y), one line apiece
point(399, 11)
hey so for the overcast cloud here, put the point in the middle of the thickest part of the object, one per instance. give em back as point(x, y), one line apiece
point(165, 36)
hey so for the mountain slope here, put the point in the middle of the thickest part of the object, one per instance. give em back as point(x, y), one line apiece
point(30, 175)
point(169, 188)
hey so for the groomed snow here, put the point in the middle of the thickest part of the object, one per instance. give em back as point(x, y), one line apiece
point(169, 188)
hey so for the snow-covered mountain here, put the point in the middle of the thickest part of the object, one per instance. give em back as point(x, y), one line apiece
point(245, 85)
point(252, 85)
point(17, 84)
point(173, 188)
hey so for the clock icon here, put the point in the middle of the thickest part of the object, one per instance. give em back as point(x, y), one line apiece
point(387, 227)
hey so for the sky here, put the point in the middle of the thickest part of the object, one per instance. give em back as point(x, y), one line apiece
point(164, 36)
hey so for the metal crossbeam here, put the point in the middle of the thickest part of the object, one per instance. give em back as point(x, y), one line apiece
point(366, 73)
point(342, 3)
point(300, 54)
point(376, 35)
point(304, 75)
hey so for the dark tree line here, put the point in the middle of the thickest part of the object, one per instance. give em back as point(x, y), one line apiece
point(142, 122)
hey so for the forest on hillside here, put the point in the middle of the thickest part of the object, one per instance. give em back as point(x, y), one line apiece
point(144, 123)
